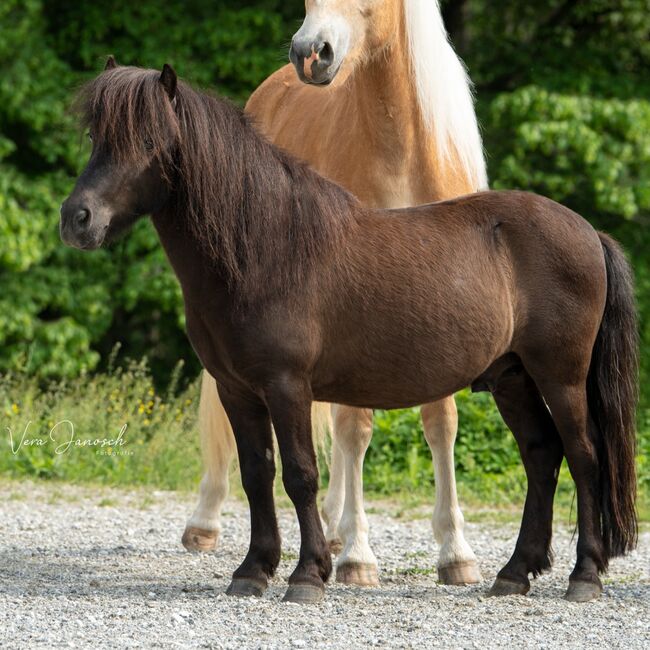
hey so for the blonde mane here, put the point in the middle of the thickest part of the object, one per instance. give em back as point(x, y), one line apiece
point(444, 89)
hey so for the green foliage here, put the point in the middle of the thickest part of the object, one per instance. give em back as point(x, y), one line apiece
point(62, 311)
point(564, 98)
point(399, 458)
point(598, 48)
point(160, 446)
point(592, 154)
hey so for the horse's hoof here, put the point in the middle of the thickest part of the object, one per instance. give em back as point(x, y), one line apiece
point(505, 587)
point(305, 594)
point(199, 539)
point(358, 573)
point(460, 573)
point(245, 587)
point(580, 591)
point(336, 546)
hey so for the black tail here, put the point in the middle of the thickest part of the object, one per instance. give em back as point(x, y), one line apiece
point(612, 387)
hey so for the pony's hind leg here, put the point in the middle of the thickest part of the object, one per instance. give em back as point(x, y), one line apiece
point(357, 563)
point(524, 411)
point(569, 406)
point(457, 563)
point(218, 448)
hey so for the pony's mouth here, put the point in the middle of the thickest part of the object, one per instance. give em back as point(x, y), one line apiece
point(85, 241)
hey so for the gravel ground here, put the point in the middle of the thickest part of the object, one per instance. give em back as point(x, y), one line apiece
point(89, 567)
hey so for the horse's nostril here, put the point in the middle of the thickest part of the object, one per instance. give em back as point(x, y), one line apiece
point(326, 53)
point(82, 217)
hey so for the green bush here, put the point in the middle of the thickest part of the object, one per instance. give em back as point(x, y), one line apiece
point(592, 154)
point(564, 100)
point(160, 444)
point(399, 457)
point(62, 311)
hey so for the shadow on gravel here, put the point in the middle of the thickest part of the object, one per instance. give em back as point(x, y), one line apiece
point(109, 573)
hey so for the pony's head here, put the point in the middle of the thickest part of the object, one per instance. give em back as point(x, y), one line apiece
point(335, 32)
point(130, 118)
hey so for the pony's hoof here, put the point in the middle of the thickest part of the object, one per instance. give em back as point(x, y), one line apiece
point(199, 539)
point(306, 594)
point(504, 587)
point(580, 591)
point(460, 573)
point(358, 573)
point(245, 587)
point(336, 546)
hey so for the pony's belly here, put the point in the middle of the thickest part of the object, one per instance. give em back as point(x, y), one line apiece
point(399, 385)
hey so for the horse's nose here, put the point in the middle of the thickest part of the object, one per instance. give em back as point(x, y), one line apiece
point(312, 60)
point(81, 218)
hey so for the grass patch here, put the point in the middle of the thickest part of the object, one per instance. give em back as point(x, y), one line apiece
point(123, 431)
point(112, 429)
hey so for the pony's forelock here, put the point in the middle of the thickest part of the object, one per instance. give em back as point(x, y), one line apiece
point(128, 113)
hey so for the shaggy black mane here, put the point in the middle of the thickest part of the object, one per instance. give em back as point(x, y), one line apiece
point(257, 211)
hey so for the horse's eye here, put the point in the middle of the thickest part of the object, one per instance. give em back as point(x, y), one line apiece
point(90, 136)
point(148, 144)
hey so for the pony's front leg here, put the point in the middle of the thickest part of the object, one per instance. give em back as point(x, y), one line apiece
point(457, 563)
point(217, 448)
point(252, 428)
point(289, 402)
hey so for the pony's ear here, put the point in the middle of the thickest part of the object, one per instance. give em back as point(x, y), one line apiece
point(169, 80)
point(110, 63)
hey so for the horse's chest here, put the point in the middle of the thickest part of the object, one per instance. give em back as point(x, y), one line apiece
point(375, 183)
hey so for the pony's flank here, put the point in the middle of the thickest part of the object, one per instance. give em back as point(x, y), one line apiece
point(444, 89)
point(225, 176)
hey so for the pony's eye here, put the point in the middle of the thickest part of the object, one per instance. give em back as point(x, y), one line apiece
point(90, 136)
point(148, 144)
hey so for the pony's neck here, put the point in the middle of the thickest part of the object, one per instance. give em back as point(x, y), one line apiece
point(244, 213)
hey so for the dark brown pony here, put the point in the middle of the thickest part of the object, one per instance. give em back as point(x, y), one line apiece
point(294, 292)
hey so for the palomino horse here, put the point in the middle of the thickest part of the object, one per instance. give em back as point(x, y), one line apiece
point(396, 127)
point(296, 292)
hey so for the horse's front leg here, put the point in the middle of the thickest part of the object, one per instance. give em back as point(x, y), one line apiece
point(289, 402)
point(352, 432)
point(457, 563)
point(252, 428)
point(217, 448)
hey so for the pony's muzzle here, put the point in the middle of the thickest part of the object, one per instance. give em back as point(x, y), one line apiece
point(313, 60)
point(76, 225)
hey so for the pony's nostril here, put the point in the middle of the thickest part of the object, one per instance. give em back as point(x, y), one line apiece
point(82, 217)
